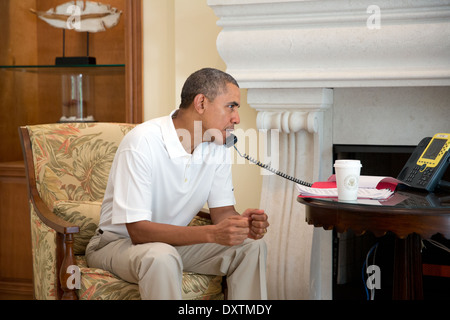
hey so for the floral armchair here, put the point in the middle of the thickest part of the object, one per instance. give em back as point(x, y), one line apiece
point(67, 166)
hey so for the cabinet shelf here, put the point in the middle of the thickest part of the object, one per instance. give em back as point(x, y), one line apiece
point(67, 69)
point(67, 93)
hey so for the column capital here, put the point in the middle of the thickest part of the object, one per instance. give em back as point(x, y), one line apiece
point(289, 110)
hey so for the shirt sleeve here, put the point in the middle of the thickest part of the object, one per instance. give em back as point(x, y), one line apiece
point(222, 190)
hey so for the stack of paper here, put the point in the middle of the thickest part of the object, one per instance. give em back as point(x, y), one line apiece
point(370, 187)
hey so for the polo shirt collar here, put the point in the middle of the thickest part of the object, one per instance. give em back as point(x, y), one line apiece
point(169, 134)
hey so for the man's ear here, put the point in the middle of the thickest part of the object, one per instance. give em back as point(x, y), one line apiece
point(199, 102)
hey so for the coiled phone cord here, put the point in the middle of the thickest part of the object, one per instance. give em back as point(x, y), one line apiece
point(267, 167)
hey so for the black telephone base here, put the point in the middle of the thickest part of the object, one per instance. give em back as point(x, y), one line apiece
point(444, 184)
point(441, 185)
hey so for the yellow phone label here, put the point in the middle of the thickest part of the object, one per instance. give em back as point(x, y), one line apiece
point(433, 153)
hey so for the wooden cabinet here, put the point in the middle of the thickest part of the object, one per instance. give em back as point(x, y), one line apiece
point(32, 95)
point(15, 237)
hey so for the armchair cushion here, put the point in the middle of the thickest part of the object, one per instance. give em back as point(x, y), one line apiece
point(85, 214)
point(72, 161)
point(98, 284)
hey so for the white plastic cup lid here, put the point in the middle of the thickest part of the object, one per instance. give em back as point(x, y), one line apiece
point(347, 163)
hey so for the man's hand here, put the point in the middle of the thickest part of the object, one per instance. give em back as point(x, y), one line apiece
point(258, 223)
point(231, 228)
point(232, 231)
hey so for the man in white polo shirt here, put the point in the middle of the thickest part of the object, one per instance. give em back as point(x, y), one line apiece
point(164, 172)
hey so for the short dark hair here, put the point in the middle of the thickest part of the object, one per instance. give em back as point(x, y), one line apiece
point(208, 81)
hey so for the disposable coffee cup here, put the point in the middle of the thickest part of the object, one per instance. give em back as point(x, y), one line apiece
point(347, 179)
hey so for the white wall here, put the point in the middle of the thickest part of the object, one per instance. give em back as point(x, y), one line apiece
point(180, 38)
point(389, 116)
point(159, 57)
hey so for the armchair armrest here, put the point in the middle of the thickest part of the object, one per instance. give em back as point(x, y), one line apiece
point(64, 230)
point(204, 213)
point(49, 218)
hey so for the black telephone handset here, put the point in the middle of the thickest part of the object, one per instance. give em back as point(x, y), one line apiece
point(428, 163)
point(231, 142)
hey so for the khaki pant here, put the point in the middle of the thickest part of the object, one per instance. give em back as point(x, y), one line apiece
point(158, 267)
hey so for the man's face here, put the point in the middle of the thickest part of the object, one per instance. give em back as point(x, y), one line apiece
point(221, 115)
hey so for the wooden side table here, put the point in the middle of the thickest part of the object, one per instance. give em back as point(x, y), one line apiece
point(411, 216)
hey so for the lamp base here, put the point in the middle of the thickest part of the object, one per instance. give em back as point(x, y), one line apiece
point(75, 61)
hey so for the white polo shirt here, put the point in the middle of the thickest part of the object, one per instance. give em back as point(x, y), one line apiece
point(153, 178)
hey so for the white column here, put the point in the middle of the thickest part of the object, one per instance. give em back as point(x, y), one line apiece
point(299, 256)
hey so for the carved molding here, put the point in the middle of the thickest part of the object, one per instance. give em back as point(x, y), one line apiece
point(288, 121)
point(330, 44)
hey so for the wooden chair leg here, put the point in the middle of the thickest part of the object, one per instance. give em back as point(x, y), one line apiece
point(67, 272)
